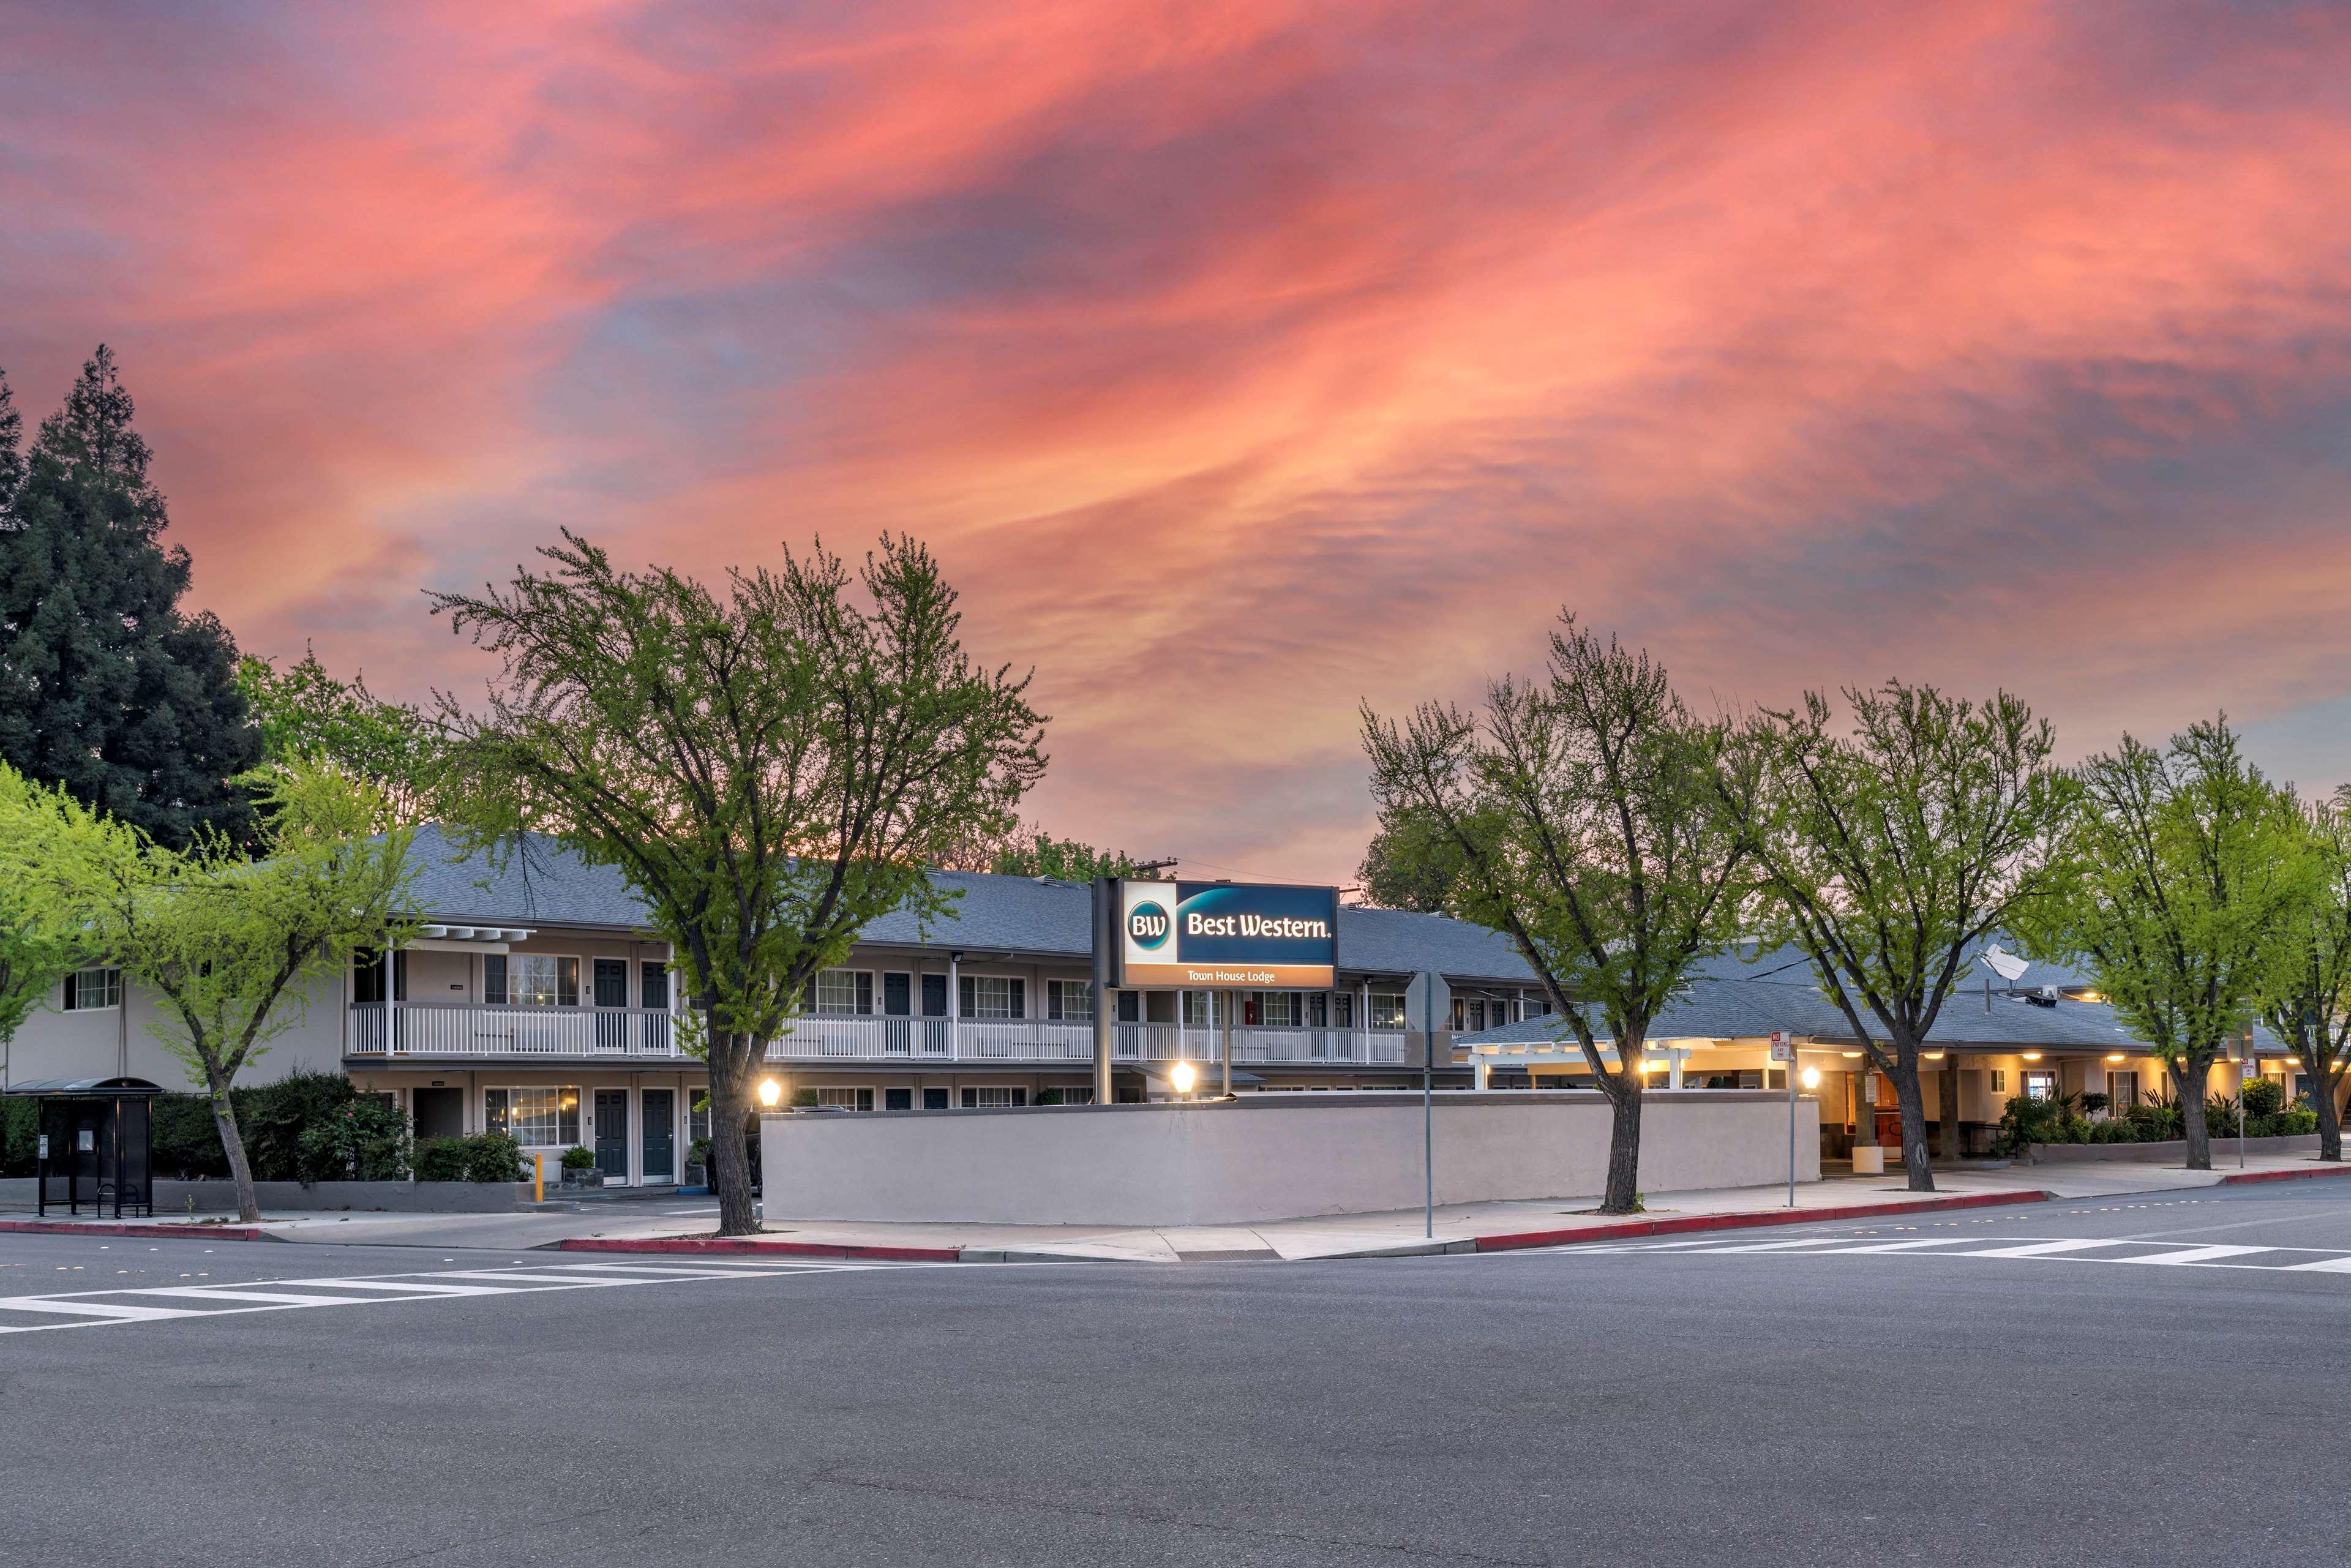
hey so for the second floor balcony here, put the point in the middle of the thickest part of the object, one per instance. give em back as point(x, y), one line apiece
point(491, 1030)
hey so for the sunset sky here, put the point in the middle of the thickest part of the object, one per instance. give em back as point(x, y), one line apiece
point(1244, 361)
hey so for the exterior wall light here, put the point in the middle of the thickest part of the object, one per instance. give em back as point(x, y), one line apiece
point(1810, 1077)
point(2032, 1056)
point(1183, 1078)
point(1935, 1056)
point(770, 1092)
point(2113, 1055)
point(1851, 1055)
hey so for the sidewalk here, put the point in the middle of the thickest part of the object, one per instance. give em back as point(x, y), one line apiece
point(685, 1224)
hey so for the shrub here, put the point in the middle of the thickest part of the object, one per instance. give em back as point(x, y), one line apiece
point(2265, 1097)
point(698, 1153)
point(577, 1158)
point(2158, 1120)
point(274, 1116)
point(494, 1157)
point(2221, 1116)
point(803, 1096)
point(366, 1140)
point(2092, 1103)
point(1047, 1097)
point(485, 1156)
point(2074, 1129)
point(442, 1159)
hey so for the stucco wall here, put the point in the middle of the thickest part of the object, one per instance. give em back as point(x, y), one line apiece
point(103, 1043)
point(1270, 1157)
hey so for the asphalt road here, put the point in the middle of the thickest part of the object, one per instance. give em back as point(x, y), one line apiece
point(2121, 1403)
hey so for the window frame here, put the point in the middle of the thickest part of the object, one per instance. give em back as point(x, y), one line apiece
point(109, 988)
point(504, 1118)
point(859, 983)
point(1058, 994)
point(968, 997)
point(503, 994)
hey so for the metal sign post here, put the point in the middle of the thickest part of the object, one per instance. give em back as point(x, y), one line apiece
point(1783, 1049)
point(1429, 998)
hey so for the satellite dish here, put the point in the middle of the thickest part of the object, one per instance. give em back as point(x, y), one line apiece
point(2007, 966)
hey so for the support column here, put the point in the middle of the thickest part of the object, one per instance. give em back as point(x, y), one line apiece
point(955, 1007)
point(390, 1008)
point(1364, 1016)
point(1224, 1055)
point(1950, 1106)
point(1673, 1067)
point(1105, 1001)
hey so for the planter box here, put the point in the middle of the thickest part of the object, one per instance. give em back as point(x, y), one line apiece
point(2173, 1152)
point(293, 1197)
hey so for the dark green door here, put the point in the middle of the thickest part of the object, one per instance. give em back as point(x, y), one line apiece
point(658, 1109)
point(613, 1134)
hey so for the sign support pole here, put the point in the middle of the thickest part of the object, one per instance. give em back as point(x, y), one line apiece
point(1429, 997)
point(1105, 974)
point(1783, 1050)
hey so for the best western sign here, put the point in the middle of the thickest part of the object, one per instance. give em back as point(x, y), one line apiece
point(1220, 933)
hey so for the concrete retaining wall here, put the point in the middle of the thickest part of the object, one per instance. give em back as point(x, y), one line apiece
point(1260, 1157)
point(392, 1197)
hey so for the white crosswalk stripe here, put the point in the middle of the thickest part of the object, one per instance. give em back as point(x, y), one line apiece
point(235, 1298)
point(2141, 1253)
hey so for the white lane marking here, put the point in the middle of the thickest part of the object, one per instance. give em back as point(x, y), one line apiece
point(2321, 1266)
point(2041, 1249)
point(386, 1289)
point(1918, 1245)
point(225, 1293)
point(1770, 1246)
point(107, 1311)
point(2190, 1255)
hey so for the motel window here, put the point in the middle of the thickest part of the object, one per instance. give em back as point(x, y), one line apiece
point(1070, 999)
point(844, 993)
point(1342, 1010)
point(2040, 1083)
point(1195, 1009)
point(994, 1099)
point(2122, 1091)
point(1280, 1009)
point(1084, 1096)
point(1537, 1007)
point(535, 1117)
point(697, 1115)
point(530, 980)
point(1999, 1080)
point(846, 1099)
point(366, 975)
point(87, 990)
point(993, 996)
point(1387, 1010)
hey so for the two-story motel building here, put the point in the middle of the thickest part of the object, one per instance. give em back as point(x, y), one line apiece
point(535, 998)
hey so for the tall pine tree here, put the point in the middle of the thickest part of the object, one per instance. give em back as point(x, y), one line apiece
point(106, 686)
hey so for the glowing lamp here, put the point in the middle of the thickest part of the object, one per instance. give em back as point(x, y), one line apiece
point(1183, 1078)
point(770, 1092)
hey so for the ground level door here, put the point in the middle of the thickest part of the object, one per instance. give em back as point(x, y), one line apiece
point(613, 1134)
point(440, 1113)
point(657, 1110)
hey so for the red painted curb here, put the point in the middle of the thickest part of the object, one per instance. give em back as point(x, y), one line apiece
point(741, 1244)
point(1748, 1221)
point(2244, 1177)
point(123, 1228)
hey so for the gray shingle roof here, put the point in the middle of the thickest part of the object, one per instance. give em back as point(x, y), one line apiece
point(1730, 998)
point(543, 885)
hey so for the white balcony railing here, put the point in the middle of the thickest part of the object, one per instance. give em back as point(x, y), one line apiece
point(1307, 1046)
point(484, 1030)
point(823, 1039)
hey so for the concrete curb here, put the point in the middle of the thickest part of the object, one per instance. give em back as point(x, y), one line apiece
point(690, 1244)
point(2241, 1177)
point(1637, 1227)
point(125, 1227)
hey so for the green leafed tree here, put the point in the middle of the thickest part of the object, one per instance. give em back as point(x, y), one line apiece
point(2304, 995)
point(107, 686)
point(1591, 818)
point(40, 942)
point(1032, 852)
point(230, 948)
point(304, 713)
point(1412, 862)
point(2186, 870)
point(772, 767)
point(1891, 853)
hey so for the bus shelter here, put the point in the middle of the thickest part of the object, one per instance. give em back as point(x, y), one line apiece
point(97, 1143)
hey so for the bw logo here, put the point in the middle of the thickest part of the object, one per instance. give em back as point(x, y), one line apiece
point(1147, 926)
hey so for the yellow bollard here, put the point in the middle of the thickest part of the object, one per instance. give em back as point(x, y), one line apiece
point(538, 1178)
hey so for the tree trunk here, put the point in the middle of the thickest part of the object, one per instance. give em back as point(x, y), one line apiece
point(2193, 1080)
point(1624, 1192)
point(1911, 1099)
point(2330, 1116)
point(248, 1208)
point(1950, 1106)
point(730, 1109)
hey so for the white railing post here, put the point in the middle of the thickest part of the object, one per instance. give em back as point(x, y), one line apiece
point(390, 1009)
point(955, 1007)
